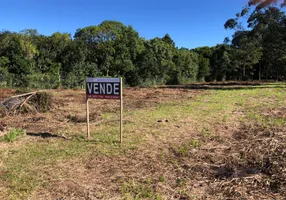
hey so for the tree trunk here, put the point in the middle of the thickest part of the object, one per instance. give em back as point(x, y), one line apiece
point(223, 78)
point(267, 73)
point(259, 72)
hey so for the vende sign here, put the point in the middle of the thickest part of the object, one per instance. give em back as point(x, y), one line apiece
point(103, 88)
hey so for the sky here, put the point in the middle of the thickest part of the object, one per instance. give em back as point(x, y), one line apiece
point(190, 23)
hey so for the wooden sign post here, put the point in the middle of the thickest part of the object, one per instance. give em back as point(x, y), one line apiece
point(121, 110)
point(104, 88)
point(87, 119)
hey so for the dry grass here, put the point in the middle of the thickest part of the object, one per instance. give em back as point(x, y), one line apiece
point(178, 144)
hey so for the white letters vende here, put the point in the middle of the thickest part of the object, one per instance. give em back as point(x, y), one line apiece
point(103, 88)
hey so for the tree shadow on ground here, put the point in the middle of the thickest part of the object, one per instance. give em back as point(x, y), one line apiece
point(46, 135)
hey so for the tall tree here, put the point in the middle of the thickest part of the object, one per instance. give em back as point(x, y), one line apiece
point(205, 54)
point(113, 46)
point(255, 46)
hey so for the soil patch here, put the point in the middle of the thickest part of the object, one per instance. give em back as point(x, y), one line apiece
point(69, 106)
point(280, 112)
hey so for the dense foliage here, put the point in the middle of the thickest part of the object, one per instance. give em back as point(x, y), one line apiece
point(112, 49)
point(258, 51)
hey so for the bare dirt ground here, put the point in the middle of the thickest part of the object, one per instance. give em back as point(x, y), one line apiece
point(190, 153)
point(70, 106)
point(4, 93)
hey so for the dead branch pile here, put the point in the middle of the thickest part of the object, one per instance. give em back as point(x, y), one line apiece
point(260, 166)
point(31, 102)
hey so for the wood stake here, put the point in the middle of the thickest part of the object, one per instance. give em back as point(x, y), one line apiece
point(121, 111)
point(87, 118)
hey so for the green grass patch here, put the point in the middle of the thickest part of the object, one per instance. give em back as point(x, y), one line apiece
point(136, 190)
point(13, 135)
point(184, 149)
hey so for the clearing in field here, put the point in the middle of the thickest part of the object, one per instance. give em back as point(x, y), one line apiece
point(225, 141)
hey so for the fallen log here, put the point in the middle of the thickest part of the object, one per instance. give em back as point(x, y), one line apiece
point(19, 103)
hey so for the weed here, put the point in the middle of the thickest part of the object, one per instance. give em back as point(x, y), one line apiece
point(161, 179)
point(183, 151)
point(180, 182)
point(13, 134)
point(136, 190)
point(158, 197)
point(195, 143)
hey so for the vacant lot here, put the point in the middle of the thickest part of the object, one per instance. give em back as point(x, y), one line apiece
point(216, 141)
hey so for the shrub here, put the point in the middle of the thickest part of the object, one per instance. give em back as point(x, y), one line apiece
point(42, 101)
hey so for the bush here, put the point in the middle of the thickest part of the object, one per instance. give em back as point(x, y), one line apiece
point(42, 101)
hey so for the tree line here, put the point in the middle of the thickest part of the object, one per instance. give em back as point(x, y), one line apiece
point(112, 49)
